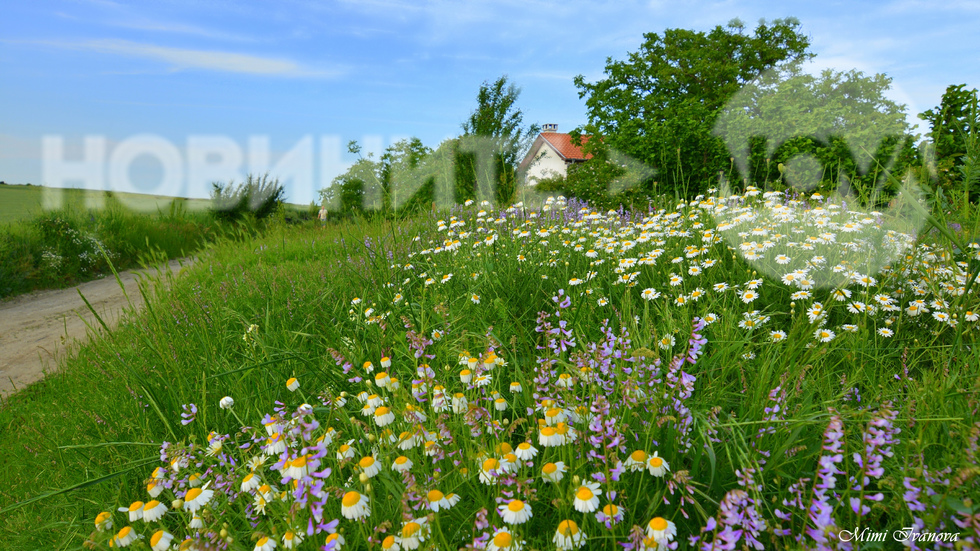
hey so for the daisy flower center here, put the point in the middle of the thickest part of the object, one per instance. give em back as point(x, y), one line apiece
point(658, 523)
point(503, 539)
point(516, 506)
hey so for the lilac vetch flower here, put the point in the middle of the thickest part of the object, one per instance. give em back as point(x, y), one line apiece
point(189, 414)
point(877, 438)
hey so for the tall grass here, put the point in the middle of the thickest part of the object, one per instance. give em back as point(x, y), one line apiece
point(69, 245)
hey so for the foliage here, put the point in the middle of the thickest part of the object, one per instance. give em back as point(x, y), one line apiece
point(660, 104)
point(63, 247)
point(259, 196)
point(400, 181)
point(493, 142)
point(953, 131)
point(788, 128)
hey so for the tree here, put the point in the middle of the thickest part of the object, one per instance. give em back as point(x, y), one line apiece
point(834, 129)
point(659, 106)
point(395, 182)
point(954, 124)
point(493, 142)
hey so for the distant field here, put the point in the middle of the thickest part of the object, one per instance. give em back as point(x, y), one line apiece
point(18, 202)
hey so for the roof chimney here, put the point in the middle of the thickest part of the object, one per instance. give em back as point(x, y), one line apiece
point(549, 128)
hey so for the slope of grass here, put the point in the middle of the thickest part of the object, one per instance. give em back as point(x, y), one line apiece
point(751, 393)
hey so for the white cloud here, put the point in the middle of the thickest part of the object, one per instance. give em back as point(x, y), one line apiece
point(210, 60)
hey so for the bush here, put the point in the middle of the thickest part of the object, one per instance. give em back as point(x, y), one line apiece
point(259, 195)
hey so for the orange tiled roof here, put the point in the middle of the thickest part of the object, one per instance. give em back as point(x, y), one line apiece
point(563, 144)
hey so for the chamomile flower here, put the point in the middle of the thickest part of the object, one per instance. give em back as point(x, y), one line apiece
point(125, 536)
point(401, 464)
point(554, 472)
point(413, 533)
point(195, 498)
point(504, 540)
point(610, 514)
point(153, 511)
point(390, 544)
point(885, 332)
point(291, 539)
point(354, 506)
point(439, 501)
point(292, 384)
point(135, 511)
point(515, 512)
point(661, 530)
point(666, 343)
point(525, 451)
point(568, 536)
point(383, 416)
point(336, 539)
point(777, 336)
point(824, 335)
point(657, 466)
point(103, 521)
point(587, 497)
point(637, 461)
point(160, 540)
point(649, 294)
point(265, 543)
point(369, 465)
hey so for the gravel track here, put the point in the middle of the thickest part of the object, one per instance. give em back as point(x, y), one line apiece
point(38, 330)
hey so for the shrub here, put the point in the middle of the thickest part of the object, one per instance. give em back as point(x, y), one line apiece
point(259, 195)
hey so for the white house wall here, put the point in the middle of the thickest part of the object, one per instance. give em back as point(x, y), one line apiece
point(547, 164)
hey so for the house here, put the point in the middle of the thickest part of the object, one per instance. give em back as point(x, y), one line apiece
point(550, 155)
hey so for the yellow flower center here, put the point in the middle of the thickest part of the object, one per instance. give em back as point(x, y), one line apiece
point(411, 529)
point(401, 460)
point(388, 542)
point(124, 532)
point(568, 528)
point(524, 446)
point(435, 495)
point(265, 488)
point(366, 462)
point(639, 455)
point(610, 510)
point(658, 523)
point(491, 464)
point(137, 505)
point(288, 536)
point(553, 412)
point(656, 462)
point(584, 494)
point(381, 376)
point(157, 536)
point(149, 506)
point(192, 494)
point(503, 539)
point(548, 431)
point(381, 411)
point(262, 542)
point(515, 505)
point(299, 462)
point(550, 468)
point(351, 499)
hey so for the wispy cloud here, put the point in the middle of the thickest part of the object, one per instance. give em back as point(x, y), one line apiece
point(180, 59)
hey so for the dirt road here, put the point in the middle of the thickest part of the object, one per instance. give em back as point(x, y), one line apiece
point(38, 329)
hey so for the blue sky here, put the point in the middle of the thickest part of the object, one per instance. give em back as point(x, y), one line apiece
point(380, 70)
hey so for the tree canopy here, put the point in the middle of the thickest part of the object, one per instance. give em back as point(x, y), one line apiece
point(660, 104)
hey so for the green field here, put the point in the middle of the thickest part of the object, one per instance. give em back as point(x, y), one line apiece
point(23, 202)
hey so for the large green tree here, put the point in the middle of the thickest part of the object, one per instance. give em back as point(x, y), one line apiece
point(659, 105)
point(494, 140)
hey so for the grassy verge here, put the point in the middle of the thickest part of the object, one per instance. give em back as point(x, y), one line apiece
point(62, 247)
point(787, 408)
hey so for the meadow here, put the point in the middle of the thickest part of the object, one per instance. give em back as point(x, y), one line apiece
point(754, 371)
